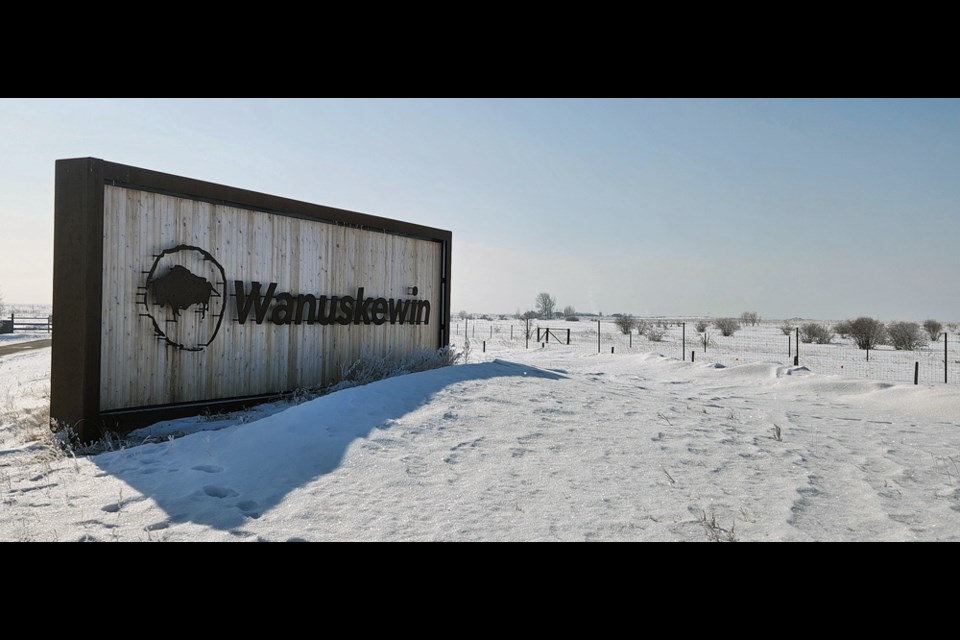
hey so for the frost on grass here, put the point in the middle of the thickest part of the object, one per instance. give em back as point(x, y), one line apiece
point(369, 369)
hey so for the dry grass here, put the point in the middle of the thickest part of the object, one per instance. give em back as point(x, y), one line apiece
point(714, 532)
point(31, 426)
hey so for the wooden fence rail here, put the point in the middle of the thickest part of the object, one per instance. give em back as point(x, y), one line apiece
point(26, 323)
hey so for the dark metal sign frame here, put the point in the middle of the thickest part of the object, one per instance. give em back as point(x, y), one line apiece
point(78, 281)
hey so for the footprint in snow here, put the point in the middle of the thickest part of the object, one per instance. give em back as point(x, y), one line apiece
point(219, 492)
point(249, 508)
point(208, 468)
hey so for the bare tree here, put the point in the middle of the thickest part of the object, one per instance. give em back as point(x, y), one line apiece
point(905, 336)
point(751, 318)
point(868, 333)
point(569, 311)
point(815, 332)
point(626, 323)
point(932, 327)
point(545, 305)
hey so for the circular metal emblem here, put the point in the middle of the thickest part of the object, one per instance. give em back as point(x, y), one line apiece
point(184, 296)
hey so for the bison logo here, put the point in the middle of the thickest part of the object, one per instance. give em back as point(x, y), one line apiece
point(180, 289)
point(184, 297)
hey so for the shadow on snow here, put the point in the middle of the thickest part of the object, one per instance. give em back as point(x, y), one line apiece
point(223, 478)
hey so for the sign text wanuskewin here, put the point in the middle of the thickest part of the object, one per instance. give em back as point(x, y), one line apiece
point(289, 308)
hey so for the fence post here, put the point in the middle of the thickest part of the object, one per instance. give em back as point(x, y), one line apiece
point(631, 339)
point(868, 354)
point(511, 332)
point(796, 357)
point(484, 346)
point(568, 336)
point(683, 348)
point(693, 355)
point(611, 349)
point(527, 334)
point(789, 345)
point(598, 336)
point(944, 357)
point(491, 332)
point(916, 373)
point(538, 334)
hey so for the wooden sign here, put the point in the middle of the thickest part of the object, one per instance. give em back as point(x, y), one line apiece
point(173, 296)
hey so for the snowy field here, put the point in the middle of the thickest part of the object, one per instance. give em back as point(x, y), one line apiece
point(764, 342)
point(517, 444)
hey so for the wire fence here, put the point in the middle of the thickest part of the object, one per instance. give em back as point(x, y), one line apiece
point(937, 362)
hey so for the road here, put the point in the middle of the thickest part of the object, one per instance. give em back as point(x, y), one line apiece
point(24, 346)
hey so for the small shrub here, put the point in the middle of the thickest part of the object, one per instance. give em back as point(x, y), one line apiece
point(868, 333)
point(713, 530)
point(787, 328)
point(626, 323)
point(727, 326)
point(953, 326)
point(933, 329)
point(701, 326)
point(643, 326)
point(572, 319)
point(905, 336)
point(815, 332)
point(843, 328)
point(656, 334)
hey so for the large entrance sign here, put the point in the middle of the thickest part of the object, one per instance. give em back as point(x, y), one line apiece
point(174, 296)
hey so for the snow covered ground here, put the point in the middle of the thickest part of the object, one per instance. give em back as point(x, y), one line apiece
point(22, 336)
point(538, 444)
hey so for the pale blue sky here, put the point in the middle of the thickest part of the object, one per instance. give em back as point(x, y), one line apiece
point(813, 208)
